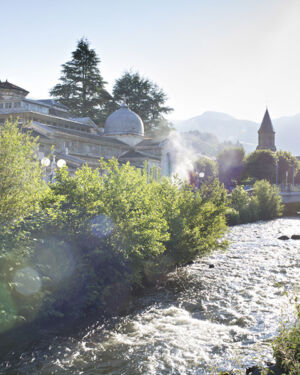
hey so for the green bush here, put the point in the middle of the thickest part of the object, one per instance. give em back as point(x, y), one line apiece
point(232, 216)
point(20, 174)
point(196, 219)
point(264, 203)
point(267, 199)
point(101, 234)
point(261, 164)
point(286, 347)
point(287, 163)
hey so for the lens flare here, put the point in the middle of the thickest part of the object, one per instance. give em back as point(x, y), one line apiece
point(7, 308)
point(27, 281)
point(56, 259)
point(101, 226)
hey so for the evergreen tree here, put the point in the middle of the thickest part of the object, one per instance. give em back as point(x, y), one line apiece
point(146, 99)
point(81, 86)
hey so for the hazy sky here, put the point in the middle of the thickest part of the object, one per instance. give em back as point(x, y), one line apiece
point(233, 56)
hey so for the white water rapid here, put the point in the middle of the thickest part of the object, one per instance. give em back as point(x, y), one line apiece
point(217, 314)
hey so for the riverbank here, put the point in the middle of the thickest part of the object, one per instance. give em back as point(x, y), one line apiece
point(221, 313)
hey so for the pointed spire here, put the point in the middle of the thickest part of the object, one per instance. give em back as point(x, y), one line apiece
point(266, 125)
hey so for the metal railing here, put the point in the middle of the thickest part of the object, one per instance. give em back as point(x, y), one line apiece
point(289, 188)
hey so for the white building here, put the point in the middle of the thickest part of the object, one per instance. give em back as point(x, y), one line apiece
point(79, 140)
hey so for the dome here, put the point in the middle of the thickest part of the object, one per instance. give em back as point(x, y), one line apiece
point(124, 122)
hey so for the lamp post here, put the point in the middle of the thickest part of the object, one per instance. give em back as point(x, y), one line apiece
point(201, 176)
point(276, 172)
point(45, 162)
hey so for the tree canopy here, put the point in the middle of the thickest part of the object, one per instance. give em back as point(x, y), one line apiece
point(20, 174)
point(145, 98)
point(287, 163)
point(81, 86)
point(207, 166)
point(261, 164)
point(82, 90)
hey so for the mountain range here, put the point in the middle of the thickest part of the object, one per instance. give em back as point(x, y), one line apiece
point(228, 128)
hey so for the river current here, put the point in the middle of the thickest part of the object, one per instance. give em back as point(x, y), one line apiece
point(219, 313)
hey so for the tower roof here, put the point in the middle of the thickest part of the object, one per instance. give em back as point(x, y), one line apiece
point(266, 125)
point(5, 85)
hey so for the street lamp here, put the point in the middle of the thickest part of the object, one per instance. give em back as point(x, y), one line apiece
point(45, 162)
point(201, 176)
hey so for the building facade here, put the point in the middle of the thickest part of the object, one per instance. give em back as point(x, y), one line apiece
point(79, 140)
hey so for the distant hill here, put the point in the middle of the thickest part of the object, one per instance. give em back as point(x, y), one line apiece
point(226, 127)
point(288, 133)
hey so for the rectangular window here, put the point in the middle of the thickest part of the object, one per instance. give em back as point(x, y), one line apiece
point(17, 104)
point(8, 105)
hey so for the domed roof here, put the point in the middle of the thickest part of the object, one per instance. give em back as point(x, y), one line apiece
point(124, 121)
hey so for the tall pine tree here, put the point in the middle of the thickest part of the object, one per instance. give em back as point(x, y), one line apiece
point(81, 86)
point(146, 99)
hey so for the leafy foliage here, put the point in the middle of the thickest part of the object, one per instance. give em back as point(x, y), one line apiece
point(146, 99)
point(261, 164)
point(286, 347)
point(20, 174)
point(82, 86)
point(208, 166)
point(195, 219)
point(99, 235)
point(263, 204)
point(286, 163)
point(267, 200)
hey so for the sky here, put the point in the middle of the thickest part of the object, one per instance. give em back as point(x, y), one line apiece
point(231, 56)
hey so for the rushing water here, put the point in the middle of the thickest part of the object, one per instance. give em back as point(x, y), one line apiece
point(219, 313)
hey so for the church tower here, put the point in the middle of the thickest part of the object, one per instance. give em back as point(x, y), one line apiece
point(266, 134)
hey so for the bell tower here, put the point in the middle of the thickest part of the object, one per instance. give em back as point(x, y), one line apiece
point(266, 134)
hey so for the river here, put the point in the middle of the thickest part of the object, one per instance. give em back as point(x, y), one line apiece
point(219, 313)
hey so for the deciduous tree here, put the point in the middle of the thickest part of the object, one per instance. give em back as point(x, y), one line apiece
point(287, 163)
point(146, 99)
point(20, 173)
point(261, 164)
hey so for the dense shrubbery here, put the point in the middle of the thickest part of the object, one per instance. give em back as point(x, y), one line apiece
point(286, 347)
point(97, 236)
point(85, 243)
point(20, 174)
point(263, 204)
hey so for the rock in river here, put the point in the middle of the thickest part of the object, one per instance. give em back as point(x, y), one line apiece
point(284, 238)
point(295, 237)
